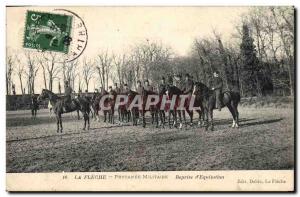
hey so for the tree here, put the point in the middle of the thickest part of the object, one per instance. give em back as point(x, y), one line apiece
point(103, 67)
point(50, 64)
point(9, 72)
point(88, 72)
point(20, 71)
point(250, 67)
point(70, 72)
point(31, 71)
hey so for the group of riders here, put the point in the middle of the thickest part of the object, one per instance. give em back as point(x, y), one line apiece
point(191, 93)
point(185, 84)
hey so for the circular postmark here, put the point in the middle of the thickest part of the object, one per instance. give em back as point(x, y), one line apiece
point(78, 39)
point(61, 31)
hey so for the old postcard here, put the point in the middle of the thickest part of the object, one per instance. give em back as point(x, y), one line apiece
point(150, 98)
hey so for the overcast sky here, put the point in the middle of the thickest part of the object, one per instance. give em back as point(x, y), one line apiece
point(119, 28)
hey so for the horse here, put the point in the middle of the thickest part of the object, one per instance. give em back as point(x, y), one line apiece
point(123, 113)
point(50, 107)
point(230, 99)
point(59, 107)
point(154, 109)
point(133, 110)
point(173, 90)
point(161, 111)
point(34, 106)
point(95, 105)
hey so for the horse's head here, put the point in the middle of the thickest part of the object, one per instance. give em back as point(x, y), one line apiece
point(162, 90)
point(44, 95)
point(198, 89)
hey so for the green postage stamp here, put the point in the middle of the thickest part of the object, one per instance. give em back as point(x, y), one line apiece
point(47, 31)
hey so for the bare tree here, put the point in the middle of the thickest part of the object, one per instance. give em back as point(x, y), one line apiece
point(9, 72)
point(88, 72)
point(20, 71)
point(70, 72)
point(103, 67)
point(51, 65)
point(31, 71)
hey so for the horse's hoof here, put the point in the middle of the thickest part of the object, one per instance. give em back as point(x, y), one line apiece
point(83, 129)
point(180, 126)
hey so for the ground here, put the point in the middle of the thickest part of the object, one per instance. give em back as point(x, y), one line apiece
point(265, 140)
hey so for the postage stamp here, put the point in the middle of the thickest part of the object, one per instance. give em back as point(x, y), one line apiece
point(47, 31)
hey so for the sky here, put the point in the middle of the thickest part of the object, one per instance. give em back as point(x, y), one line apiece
point(117, 29)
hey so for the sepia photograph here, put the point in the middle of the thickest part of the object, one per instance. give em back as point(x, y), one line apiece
point(137, 98)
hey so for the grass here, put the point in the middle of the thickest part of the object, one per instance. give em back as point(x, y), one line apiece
point(265, 140)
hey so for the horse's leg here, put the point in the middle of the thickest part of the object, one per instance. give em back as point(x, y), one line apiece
point(104, 112)
point(88, 119)
point(206, 114)
point(229, 106)
point(184, 118)
point(180, 119)
point(236, 115)
point(143, 117)
point(191, 114)
point(113, 115)
point(160, 117)
point(78, 116)
point(170, 113)
point(57, 122)
point(175, 118)
point(200, 116)
point(211, 116)
point(60, 122)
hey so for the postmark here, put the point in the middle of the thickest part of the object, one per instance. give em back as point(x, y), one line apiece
point(60, 31)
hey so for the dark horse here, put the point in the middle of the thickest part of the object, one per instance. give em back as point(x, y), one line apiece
point(173, 90)
point(133, 110)
point(59, 108)
point(34, 106)
point(154, 109)
point(230, 99)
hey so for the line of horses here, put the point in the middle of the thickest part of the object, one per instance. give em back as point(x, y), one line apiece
point(204, 99)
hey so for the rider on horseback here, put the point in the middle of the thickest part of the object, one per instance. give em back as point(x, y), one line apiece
point(217, 85)
point(148, 87)
point(139, 88)
point(162, 87)
point(178, 82)
point(67, 98)
point(188, 85)
point(117, 89)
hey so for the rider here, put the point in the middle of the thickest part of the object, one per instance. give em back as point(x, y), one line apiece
point(148, 87)
point(188, 85)
point(125, 89)
point(170, 80)
point(217, 85)
point(139, 88)
point(112, 92)
point(162, 86)
point(178, 82)
point(67, 98)
point(117, 89)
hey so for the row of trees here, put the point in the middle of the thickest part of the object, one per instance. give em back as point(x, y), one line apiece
point(258, 60)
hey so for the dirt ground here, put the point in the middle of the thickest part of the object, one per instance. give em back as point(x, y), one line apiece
point(265, 140)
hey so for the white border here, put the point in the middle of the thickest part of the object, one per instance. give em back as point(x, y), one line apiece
point(106, 2)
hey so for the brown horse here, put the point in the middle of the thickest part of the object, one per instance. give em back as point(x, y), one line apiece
point(133, 110)
point(153, 109)
point(59, 108)
point(230, 99)
point(173, 90)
